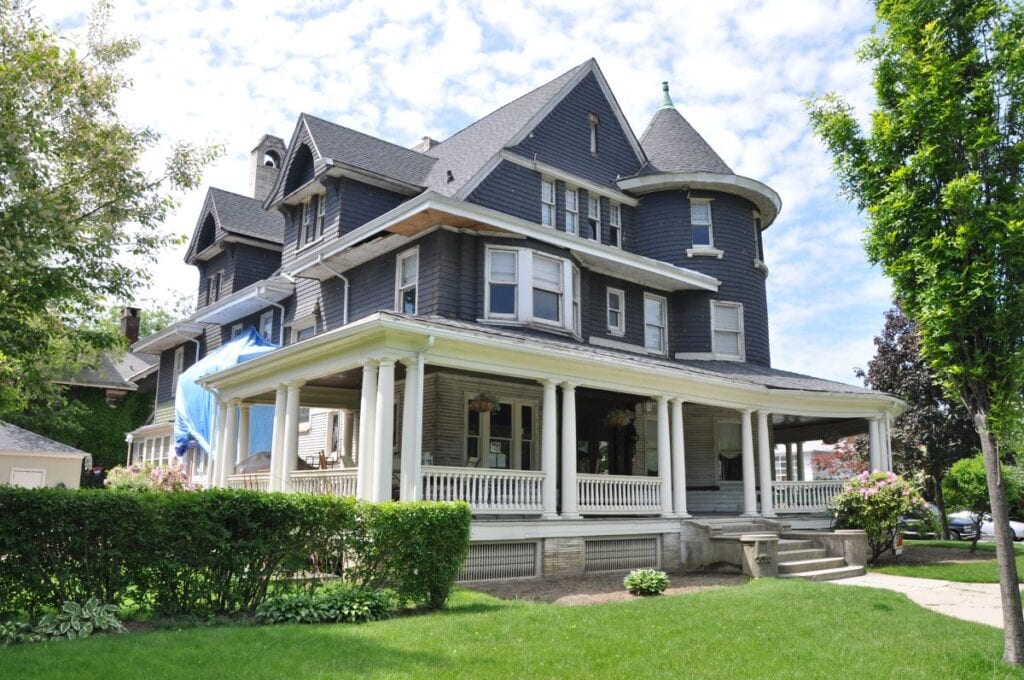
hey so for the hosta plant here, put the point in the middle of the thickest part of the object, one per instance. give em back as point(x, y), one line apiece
point(14, 632)
point(78, 621)
point(646, 582)
point(332, 604)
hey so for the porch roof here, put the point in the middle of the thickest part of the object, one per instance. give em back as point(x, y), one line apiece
point(485, 348)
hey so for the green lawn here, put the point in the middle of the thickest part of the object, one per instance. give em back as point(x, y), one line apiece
point(981, 571)
point(769, 628)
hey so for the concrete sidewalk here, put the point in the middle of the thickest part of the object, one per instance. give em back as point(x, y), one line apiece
point(977, 602)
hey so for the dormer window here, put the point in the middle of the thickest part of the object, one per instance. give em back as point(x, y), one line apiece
point(594, 216)
point(312, 226)
point(615, 224)
point(547, 203)
point(700, 224)
point(572, 211)
point(213, 288)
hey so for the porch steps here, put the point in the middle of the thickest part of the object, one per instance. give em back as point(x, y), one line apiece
point(800, 559)
point(801, 554)
point(826, 574)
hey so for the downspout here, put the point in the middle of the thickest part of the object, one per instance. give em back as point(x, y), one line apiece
point(280, 307)
point(320, 263)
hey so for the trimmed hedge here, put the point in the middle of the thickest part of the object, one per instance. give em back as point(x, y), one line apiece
point(217, 551)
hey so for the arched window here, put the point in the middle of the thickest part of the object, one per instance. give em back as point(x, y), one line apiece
point(301, 170)
point(206, 234)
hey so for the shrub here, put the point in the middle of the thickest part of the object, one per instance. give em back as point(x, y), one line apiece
point(16, 632)
point(874, 502)
point(965, 487)
point(79, 621)
point(333, 604)
point(646, 582)
point(147, 477)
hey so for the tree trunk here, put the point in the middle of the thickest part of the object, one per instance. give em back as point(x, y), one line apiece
point(940, 503)
point(1013, 618)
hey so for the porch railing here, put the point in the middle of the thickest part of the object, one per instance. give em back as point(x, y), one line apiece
point(255, 482)
point(618, 494)
point(325, 482)
point(487, 491)
point(805, 496)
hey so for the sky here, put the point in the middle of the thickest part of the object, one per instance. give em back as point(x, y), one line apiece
point(228, 72)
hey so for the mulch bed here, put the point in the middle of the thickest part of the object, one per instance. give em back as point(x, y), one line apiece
point(598, 588)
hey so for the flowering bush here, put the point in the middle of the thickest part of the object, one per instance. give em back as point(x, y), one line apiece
point(874, 502)
point(147, 477)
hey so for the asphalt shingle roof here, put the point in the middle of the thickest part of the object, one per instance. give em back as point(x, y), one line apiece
point(114, 371)
point(367, 152)
point(245, 215)
point(672, 145)
point(14, 438)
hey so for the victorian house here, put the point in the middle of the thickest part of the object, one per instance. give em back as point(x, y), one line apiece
point(544, 315)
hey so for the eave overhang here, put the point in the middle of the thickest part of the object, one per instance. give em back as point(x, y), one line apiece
point(430, 210)
point(768, 202)
point(249, 300)
point(217, 248)
point(172, 336)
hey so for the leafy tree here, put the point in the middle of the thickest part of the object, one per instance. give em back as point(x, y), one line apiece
point(966, 488)
point(939, 177)
point(74, 199)
point(935, 431)
point(848, 458)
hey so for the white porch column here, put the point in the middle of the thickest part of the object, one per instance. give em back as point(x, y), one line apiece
point(887, 442)
point(800, 461)
point(549, 451)
point(417, 477)
point(749, 486)
point(348, 424)
point(678, 460)
point(765, 461)
point(570, 501)
point(230, 446)
point(213, 476)
point(367, 425)
point(291, 435)
point(384, 432)
point(243, 432)
point(874, 444)
point(789, 462)
point(664, 457)
point(411, 410)
point(277, 443)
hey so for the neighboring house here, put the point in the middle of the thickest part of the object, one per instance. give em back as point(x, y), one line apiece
point(544, 315)
point(31, 460)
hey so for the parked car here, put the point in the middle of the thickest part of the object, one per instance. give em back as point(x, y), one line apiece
point(922, 525)
point(961, 528)
point(987, 530)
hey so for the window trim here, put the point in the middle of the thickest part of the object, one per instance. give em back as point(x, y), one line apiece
point(594, 219)
point(236, 330)
point(725, 420)
point(615, 223)
point(178, 367)
point(213, 284)
point(741, 340)
point(264, 317)
point(710, 245)
point(548, 184)
point(569, 303)
point(305, 208)
point(664, 329)
point(618, 330)
point(300, 325)
point(575, 211)
point(487, 285)
point(413, 252)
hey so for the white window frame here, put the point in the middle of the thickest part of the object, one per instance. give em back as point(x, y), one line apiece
point(558, 289)
point(569, 310)
point(178, 367)
point(694, 202)
point(236, 330)
point(213, 284)
point(547, 202)
point(399, 288)
point(299, 328)
point(310, 215)
point(716, 423)
point(484, 437)
point(267, 324)
point(620, 328)
point(741, 339)
point(664, 328)
point(594, 215)
point(615, 223)
point(572, 210)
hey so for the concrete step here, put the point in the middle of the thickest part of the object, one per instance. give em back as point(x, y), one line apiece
point(801, 554)
point(794, 544)
point(827, 574)
point(801, 566)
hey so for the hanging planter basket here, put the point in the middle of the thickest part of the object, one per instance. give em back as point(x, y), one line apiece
point(618, 417)
point(483, 403)
point(831, 438)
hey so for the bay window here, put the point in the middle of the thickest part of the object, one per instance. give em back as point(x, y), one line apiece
point(525, 286)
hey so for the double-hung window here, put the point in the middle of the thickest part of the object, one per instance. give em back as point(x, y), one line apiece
point(729, 446)
point(179, 367)
point(525, 286)
point(407, 274)
point(727, 330)
point(655, 323)
point(547, 203)
point(700, 223)
point(615, 224)
point(572, 211)
point(213, 288)
point(594, 216)
point(267, 324)
point(312, 227)
point(616, 311)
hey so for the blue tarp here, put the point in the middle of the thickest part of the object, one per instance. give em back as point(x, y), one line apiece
point(195, 408)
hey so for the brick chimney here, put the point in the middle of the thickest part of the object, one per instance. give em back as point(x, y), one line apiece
point(130, 317)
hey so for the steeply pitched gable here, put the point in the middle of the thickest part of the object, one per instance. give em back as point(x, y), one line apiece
point(226, 213)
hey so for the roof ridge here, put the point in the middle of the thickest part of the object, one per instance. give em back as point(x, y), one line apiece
point(235, 193)
point(359, 132)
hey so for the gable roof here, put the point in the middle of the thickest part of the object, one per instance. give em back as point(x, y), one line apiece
point(236, 214)
point(673, 145)
point(17, 439)
point(117, 371)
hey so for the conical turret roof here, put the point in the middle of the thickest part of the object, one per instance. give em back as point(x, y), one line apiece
point(672, 145)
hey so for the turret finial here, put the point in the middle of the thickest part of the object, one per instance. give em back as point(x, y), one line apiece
point(666, 100)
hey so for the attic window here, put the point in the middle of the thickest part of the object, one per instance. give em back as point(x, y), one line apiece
point(594, 121)
point(271, 159)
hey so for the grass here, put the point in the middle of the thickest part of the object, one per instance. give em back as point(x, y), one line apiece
point(769, 628)
point(980, 571)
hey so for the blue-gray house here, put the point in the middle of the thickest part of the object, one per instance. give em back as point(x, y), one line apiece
point(544, 315)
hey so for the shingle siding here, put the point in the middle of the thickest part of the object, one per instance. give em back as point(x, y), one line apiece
point(511, 189)
point(361, 203)
point(252, 264)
